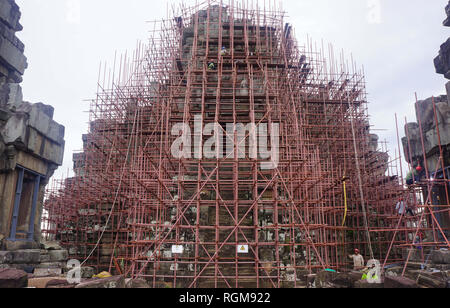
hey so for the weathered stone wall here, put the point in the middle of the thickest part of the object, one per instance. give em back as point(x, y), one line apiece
point(434, 119)
point(426, 115)
point(12, 60)
point(29, 137)
point(442, 61)
point(431, 133)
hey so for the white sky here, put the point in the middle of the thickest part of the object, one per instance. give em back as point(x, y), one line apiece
point(65, 41)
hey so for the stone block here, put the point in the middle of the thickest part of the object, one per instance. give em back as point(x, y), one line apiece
point(13, 279)
point(41, 282)
point(28, 268)
point(27, 256)
point(46, 109)
point(13, 246)
point(399, 283)
point(56, 132)
point(346, 280)
point(302, 275)
point(52, 265)
point(136, 284)
point(45, 148)
point(73, 251)
point(5, 257)
point(324, 279)
point(50, 245)
point(310, 280)
point(87, 272)
point(15, 96)
point(442, 61)
point(364, 284)
point(4, 115)
point(45, 272)
point(115, 282)
point(430, 281)
point(440, 267)
point(43, 123)
point(58, 255)
point(287, 284)
point(35, 141)
point(44, 258)
point(39, 120)
point(415, 266)
point(10, 15)
point(13, 56)
point(59, 284)
point(15, 129)
point(394, 271)
point(440, 256)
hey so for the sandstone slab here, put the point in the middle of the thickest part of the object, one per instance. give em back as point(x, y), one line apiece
point(115, 282)
point(399, 283)
point(13, 279)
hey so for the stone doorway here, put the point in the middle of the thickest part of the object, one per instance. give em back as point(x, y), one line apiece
point(25, 201)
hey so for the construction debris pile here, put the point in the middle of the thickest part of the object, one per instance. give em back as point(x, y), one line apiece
point(149, 200)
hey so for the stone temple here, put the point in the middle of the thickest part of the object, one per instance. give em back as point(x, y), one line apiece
point(31, 149)
point(223, 153)
point(427, 141)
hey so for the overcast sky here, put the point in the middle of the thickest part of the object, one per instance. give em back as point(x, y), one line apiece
point(395, 40)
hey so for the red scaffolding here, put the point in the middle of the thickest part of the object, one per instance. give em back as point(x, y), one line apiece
point(134, 208)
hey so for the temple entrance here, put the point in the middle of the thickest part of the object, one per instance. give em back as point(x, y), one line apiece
point(24, 213)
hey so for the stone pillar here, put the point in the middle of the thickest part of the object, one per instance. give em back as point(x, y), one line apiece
point(29, 138)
